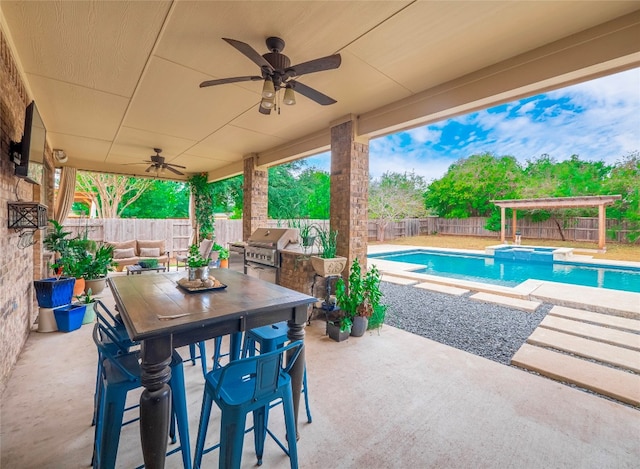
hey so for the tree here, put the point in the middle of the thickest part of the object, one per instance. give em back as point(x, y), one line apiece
point(395, 196)
point(469, 185)
point(107, 191)
point(227, 196)
point(316, 186)
point(624, 179)
point(163, 199)
point(544, 177)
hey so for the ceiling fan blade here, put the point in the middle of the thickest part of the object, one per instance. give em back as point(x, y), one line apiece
point(223, 81)
point(176, 165)
point(317, 65)
point(174, 170)
point(251, 53)
point(149, 168)
point(312, 94)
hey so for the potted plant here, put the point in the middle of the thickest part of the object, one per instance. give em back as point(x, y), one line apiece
point(89, 301)
point(223, 255)
point(327, 263)
point(360, 298)
point(198, 265)
point(97, 269)
point(306, 232)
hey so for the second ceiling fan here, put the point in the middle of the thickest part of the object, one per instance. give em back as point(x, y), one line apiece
point(277, 73)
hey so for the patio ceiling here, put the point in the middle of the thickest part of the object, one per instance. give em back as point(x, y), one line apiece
point(113, 80)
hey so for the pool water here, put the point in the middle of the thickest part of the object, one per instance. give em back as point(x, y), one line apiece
point(508, 272)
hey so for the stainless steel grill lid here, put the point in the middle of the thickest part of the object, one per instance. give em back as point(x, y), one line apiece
point(273, 238)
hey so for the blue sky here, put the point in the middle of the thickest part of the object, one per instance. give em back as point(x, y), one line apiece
point(597, 120)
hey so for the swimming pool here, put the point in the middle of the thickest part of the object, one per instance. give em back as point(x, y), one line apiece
point(509, 272)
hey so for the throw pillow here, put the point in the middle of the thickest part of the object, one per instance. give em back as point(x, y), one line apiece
point(149, 252)
point(123, 253)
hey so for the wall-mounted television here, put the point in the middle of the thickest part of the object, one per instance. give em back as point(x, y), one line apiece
point(28, 155)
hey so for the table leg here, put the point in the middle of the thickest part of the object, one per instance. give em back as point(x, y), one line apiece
point(155, 401)
point(235, 344)
point(296, 332)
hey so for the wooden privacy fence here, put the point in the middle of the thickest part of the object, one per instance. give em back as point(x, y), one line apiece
point(177, 232)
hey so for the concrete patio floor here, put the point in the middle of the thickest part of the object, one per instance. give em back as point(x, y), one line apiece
point(393, 400)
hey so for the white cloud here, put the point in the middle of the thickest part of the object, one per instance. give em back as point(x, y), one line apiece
point(597, 120)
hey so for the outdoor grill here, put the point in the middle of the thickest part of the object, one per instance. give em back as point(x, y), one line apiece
point(262, 252)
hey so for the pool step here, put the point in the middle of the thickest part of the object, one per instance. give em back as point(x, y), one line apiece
point(615, 322)
point(516, 303)
point(398, 280)
point(591, 331)
point(595, 351)
point(436, 287)
point(611, 382)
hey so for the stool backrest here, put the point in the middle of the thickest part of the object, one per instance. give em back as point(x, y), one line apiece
point(265, 369)
point(105, 353)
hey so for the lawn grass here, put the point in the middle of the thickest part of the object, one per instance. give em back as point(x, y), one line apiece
point(615, 251)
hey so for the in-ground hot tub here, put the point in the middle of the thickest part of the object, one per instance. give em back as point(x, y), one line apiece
point(529, 253)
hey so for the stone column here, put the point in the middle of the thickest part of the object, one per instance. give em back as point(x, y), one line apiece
point(349, 190)
point(256, 187)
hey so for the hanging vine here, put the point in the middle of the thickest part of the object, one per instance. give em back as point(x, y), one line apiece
point(203, 198)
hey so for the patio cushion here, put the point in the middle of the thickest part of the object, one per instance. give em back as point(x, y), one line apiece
point(149, 252)
point(158, 244)
point(123, 253)
point(123, 244)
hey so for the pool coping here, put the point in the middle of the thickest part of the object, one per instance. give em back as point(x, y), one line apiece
point(599, 300)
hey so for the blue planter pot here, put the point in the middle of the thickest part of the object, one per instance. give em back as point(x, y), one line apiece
point(69, 317)
point(52, 293)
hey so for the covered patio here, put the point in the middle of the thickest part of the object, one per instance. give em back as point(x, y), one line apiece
point(114, 80)
point(388, 400)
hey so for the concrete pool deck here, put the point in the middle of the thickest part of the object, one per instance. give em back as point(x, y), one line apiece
point(599, 300)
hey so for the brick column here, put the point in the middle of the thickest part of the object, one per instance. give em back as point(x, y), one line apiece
point(349, 190)
point(256, 187)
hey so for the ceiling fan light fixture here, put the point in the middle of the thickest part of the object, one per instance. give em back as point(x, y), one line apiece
point(289, 96)
point(267, 103)
point(268, 90)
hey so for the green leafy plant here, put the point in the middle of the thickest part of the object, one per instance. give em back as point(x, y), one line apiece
point(195, 259)
point(86, 298)
point(56, 239)
point(203, 199)
point(100, 263)
point(223, 253)
point(328, 239)
point(362, 296)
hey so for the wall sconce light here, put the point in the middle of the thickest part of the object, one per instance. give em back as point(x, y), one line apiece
point(60, 155)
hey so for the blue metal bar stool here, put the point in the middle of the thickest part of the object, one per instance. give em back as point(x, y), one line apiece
point(269, 338)
point(121, 374)
point(115, 338)
point(243, 386)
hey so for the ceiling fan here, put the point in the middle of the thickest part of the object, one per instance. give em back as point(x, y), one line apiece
point(277, 73)
point(158, 165)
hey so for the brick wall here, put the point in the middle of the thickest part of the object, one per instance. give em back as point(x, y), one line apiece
point(256, 188)
point(18, 309)
point(349, 192)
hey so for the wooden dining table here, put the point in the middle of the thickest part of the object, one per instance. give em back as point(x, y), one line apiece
point(162, 316)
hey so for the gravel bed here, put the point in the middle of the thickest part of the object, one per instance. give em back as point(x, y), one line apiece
point(488, 330)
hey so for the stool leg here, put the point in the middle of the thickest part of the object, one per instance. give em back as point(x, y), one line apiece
point(205, 413)
point(290, 424)
point(179, 402)
point(202, 346)
point(260, 431)
point(306, 396)
point(110, 427)
point(192, 353)
point(231, 438)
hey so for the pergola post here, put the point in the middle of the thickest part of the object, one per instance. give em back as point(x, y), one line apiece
point(602, 225)
point(513, 227)
point(503, 213)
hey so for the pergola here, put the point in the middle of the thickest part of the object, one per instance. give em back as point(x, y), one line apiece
point(600, 201)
